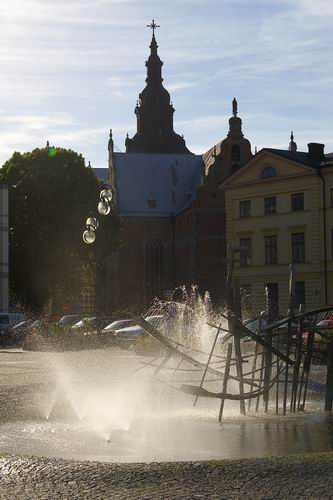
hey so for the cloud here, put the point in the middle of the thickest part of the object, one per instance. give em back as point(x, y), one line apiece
point(320, 8)
point(177, 86)
point(73, 69)
point(26, 132)
point(203, 121)
point(37, 122)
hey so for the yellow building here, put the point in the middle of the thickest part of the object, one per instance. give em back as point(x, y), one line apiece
point(279, 206)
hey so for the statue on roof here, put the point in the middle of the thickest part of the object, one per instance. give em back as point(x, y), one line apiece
point(234, 107)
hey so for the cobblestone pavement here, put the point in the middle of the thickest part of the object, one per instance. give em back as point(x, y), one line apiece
point(291, 477)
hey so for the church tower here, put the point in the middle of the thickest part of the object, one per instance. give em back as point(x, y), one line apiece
point(154, 112)
point(230, 154)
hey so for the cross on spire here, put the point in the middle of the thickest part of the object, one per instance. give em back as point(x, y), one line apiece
point(153, 26)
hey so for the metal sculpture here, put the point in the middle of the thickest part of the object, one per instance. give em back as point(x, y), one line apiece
point(279, 356)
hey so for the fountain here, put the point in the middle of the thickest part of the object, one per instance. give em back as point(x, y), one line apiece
point(115, 405)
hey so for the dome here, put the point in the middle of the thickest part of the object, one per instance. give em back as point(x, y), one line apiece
point(155, 94)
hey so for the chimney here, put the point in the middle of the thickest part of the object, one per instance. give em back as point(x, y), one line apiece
point(316, 150)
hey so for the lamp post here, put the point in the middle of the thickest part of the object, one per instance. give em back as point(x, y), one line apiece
point(106, 197)
point(89, 236)
point(104, 208)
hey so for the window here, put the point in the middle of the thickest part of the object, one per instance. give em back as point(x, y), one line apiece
point(245, 208)
point(271, 249)
point(268, 172)
point(270, 205)
point(298, 247)
point(234, 167)
point(151, 200)
point(297, 201)
point(299, 293)
point(272, 300)
point(154, 263)
point(245, 256)
point(235, 152)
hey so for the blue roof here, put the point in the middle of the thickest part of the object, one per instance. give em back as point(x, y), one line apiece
point(101, 173)
point(156, 185)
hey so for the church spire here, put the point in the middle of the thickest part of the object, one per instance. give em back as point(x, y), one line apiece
point(154, 63)
point(154, 111)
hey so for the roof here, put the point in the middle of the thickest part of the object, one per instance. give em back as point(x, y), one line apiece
point(101, 173)
point(297, 156)
point(156, 185)
point(209, 156)
point(301, 157)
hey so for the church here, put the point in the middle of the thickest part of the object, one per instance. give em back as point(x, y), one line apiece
point(169, 201)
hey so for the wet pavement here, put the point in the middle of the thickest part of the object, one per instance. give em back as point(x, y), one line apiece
point(120, 421)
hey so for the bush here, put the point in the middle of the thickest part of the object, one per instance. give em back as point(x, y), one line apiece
point(54, 337)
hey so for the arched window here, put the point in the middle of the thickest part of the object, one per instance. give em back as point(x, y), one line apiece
point(235, 152)
point(234, 167)
point(268, 172)
point(154, 266)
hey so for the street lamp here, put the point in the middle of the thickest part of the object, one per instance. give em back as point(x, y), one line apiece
point(106, 196)
point(104, 208)
point(89, 235)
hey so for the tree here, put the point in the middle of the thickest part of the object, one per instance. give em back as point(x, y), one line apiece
point(51, 192)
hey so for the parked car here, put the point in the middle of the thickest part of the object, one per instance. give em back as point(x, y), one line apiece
point(35, 325)
point(7, 320)
point(88, 323)
point(132, 333)
point(326, 325)
point(19, 332)
point(253, 324)
point(116, 325)
point(69, 320)
point(22, 325)
point(322, 330)
point(91, 324)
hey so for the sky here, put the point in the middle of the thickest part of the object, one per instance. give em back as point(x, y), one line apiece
point(73, 69)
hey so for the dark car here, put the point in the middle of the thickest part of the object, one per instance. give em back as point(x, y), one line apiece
point(323, 331)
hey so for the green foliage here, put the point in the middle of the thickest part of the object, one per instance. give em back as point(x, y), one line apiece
point(50, 197)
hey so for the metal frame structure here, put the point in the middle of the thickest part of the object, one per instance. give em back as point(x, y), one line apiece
point(279, 356)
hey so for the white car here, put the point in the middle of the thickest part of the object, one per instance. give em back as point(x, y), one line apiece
point(86, 323)
point(69, 319)
point(134, 332)
point(116, 325)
